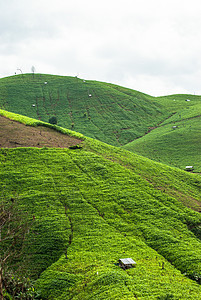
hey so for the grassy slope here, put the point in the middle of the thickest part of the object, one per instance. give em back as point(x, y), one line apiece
point(112, 114)
point(102, 203)
point(180, 146)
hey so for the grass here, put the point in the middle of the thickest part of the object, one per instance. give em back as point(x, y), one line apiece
point(100, 203)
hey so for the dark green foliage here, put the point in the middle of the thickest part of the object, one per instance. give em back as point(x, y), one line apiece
point(75, 147)
point(14, 228)
point(19, 287)
point(53, 120)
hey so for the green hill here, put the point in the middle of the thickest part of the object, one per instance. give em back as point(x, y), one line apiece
point(177, 140)
point(113, 114)
point(106, 112)
point(97, 204)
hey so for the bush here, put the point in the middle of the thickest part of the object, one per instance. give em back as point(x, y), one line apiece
point(53, 120)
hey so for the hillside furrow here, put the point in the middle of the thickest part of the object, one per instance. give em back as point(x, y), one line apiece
point(142, 230)
point(150, 130)
point(54, 90)
point(113, 214)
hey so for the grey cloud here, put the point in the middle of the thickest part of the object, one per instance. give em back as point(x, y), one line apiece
point(105, 41)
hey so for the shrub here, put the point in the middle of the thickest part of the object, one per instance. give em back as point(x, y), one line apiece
point(53, 120)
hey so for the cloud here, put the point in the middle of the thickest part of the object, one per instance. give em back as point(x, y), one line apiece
point(150, 45)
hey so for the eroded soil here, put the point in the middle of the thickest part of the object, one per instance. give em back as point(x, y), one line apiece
point(14, 134)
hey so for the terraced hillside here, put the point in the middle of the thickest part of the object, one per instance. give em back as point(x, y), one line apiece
point(99, 110)
point(97, 204)
point(177, 140)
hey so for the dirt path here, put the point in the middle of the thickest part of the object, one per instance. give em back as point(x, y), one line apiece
point(14, 134)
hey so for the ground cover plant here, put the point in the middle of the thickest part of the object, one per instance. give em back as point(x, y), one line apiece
point(176, 141)
point(165, 129)
point(94, 205)
point(84, 106)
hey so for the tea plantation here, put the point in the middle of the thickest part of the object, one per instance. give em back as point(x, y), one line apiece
point(97, 204)
point(165, 129)
point(99, 110)
point(176, 141)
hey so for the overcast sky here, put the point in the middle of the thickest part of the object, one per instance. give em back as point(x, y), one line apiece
point(153, 46)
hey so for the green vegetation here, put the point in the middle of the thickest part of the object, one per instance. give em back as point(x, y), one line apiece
point(53, 120)
point(13, 230)
point(176, 141)
point(96, 204)
point(113, 114)
point(99, 110)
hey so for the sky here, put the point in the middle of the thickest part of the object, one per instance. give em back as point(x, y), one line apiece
point(153, 46)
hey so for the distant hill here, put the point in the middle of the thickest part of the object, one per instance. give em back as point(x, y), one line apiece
point(95, 204)
point(107, 112)
point(177, 140)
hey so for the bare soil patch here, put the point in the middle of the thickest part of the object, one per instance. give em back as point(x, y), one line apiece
point(14, 134)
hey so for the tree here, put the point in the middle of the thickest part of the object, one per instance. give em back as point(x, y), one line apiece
point(33, 70)
point(53, 120)
point(13, 230)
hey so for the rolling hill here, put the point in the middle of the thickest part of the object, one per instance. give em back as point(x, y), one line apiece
point(95, 204)
point(103, 111)
point(177, 140)
point(165, 129)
